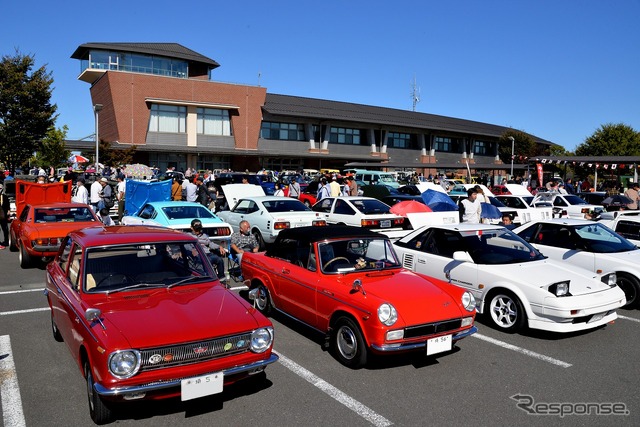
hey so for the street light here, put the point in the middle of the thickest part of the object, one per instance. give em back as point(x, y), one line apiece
point(512, 142)
point(96, 109)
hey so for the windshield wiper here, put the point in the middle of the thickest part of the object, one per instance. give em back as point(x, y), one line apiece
point(189, 279)
point(137, 285)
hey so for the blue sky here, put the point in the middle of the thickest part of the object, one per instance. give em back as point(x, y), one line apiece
point(556, 69)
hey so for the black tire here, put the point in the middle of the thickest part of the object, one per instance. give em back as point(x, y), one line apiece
point(263, 300)
point(630, 285)
point(506, 312)
point(24, 257)
point(347, 343)
point(55, 331)
point(100, 413)
point(13, 247)
point(258, 236)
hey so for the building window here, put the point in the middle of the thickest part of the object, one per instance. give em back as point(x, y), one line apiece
point(212, 121)
point(136, 63)
point(480, 148)
point(399, 140)
point(443, 144)
point(168, 118)
point(282, 131)
point(210, 162)
point(282, 164)
point(344, 136)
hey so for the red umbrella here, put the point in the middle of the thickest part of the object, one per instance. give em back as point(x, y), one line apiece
point(76, 158)
point(409, 206)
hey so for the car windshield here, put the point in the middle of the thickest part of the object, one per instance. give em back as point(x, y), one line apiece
point(598, 238)
point(498, 246)
point(574, 200)
point(134, 266)
point(346, 255)
point(373, 206)
point(386, 178)
point(285, 205)
point(75, 214)
point(187, 212)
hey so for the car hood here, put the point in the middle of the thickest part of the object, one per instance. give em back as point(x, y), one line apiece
point(141, 192)
point(158, 317)
point(235, 192)
point(416, 298)
point(58, 229)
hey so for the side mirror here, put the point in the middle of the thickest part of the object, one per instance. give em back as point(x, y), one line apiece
point(462, 256)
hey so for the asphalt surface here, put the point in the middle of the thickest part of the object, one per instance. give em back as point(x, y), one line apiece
point(472, 385)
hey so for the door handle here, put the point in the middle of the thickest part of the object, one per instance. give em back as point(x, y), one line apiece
point(285, 270)
point(328, 292)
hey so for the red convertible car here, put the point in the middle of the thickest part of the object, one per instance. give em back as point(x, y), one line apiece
point(347, 283)
point(145, 318)
point(45, 215)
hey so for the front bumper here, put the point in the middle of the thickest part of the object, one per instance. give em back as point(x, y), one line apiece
point(386, 348)
point(249, 369)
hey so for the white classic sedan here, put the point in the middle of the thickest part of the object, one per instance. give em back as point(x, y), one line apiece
point(513, 284)
point(267, 215)
point(365, 212)
point(589, 245)
point(570, 205)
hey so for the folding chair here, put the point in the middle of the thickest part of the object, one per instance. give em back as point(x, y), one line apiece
point(233, 267)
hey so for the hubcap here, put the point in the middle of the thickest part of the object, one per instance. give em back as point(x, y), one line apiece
point(504, 311)
point(261, 301)
point(347, 344)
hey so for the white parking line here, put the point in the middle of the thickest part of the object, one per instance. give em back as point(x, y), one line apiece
point(20, 291)
point(523, 351)
point(357, 407)
point(629, 318)
point(12, 415)
point(31, 310)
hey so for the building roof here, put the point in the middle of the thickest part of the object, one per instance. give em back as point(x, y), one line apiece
point(321, 109)
point(170, 50)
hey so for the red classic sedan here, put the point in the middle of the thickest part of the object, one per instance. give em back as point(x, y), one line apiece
point(347, 282)
point(45, 215)
point(144, 317)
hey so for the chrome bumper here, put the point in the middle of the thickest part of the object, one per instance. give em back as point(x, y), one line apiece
point(256, 367)
point(413, 346)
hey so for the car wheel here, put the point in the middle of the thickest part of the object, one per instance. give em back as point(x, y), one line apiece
point(54, 329)
point(24, 257)
point(259, 239)
point(13, 247)
point(263, 300)
point(348, 343)
point(100, 413)
point(506, 312)
point(630, 286)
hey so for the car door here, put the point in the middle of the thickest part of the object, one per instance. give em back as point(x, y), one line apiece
point(238, 213)
point(561, 243)
point(323, 207)
point(344, 213)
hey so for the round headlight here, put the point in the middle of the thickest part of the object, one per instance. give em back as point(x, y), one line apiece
point(124, 363)
point(468, 301)
point(613, 280)
point(387, 314)
point(261, 340)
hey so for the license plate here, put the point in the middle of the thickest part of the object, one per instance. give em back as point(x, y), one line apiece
point(438, 345)
point(596, 317)
point(193, 388)
point(385, 223)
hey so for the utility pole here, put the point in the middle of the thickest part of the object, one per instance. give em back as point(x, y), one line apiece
point(415, 93)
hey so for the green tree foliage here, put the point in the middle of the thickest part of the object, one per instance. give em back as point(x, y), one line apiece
point(611, 140)
point(53, 151)
point(110, 156)
point(26, 112)
point(524, 146)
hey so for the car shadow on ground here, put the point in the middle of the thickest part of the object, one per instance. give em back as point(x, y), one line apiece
point(145, 409)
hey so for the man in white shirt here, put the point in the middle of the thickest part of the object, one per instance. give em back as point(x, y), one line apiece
point(81, 194)
point(192, 190)
point(472, 207)
point(94, 196)
point(334, 187)
point(120, 190)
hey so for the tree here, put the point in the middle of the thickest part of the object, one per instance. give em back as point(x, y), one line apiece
point(115, 157)
point(524, 147)
point(26, 112)
point(611, 140)
point(53, 151)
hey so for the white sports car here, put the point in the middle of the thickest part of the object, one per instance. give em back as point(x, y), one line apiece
point(589, 245)
point(512, 282)
point(267, 215)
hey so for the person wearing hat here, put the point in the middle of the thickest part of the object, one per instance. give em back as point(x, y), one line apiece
point(633, 193)
point(80, 193)
point(106, 194)
point(215, 253)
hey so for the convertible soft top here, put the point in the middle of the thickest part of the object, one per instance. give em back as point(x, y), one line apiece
point(315, 234)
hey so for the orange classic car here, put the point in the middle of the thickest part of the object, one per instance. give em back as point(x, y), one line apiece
point(347, 283)
point(44, 215)
point(144, 317)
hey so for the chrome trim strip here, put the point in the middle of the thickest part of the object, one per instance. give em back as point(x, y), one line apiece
point(413, 346)
point(114, 392)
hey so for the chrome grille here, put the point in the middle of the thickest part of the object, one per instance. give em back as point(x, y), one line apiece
point(184, 354)
point(432, 328)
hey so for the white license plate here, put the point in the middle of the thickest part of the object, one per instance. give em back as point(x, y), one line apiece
point(193, 388)
point(438, 345)
point(385, 223)
point(596, 317)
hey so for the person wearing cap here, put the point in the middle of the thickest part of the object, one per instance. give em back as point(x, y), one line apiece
point(334, 187)
point(633, 194)
point(215, 252)
point(80, 193)
point(105, 194)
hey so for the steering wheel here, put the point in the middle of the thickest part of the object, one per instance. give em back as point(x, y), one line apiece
point(338, 258)
point(124, 277)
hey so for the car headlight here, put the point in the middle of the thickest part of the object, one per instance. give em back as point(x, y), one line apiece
point(468, 301)
point(124, 363)
point(610, 279)
point(387, 314)
point(560, 289)
point(261, 339)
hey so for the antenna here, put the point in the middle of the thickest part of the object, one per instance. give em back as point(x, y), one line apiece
point(415, 93)
point(259, 75)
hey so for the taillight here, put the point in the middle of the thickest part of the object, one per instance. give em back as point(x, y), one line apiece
point(368, 222)
point(319, 222)
point(281, 225)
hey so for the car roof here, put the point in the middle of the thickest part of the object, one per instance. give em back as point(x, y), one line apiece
point(565, 221)
point(316, 234)
point(126, 234)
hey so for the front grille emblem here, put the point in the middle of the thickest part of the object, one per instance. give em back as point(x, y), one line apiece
point(200, 350)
